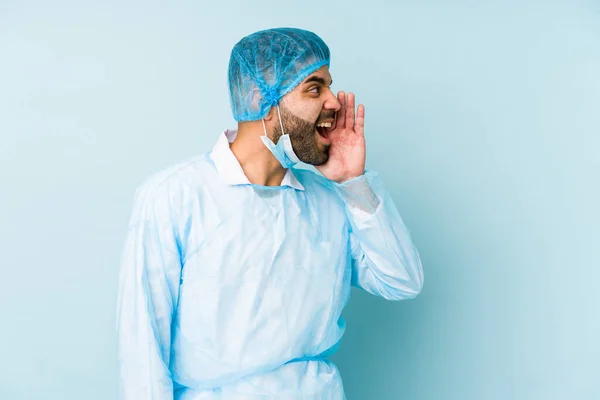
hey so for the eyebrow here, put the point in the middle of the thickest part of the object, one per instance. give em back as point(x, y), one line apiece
point(317, 79)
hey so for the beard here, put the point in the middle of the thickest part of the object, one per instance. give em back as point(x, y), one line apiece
point(303, 135)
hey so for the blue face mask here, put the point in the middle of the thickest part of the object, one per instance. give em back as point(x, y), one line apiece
point(283, 151)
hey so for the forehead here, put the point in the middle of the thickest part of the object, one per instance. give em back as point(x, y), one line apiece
point(322, 72)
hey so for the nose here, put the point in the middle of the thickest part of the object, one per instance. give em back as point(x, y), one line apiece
point(332, 102)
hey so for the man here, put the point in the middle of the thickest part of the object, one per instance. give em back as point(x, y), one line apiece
point(237, 266)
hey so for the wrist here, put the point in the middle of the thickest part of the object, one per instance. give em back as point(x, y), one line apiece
point(349, 177)
point(358, 193)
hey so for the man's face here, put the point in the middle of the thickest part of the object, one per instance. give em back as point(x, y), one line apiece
point(310, 104)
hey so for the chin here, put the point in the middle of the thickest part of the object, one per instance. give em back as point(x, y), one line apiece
point(321, 159)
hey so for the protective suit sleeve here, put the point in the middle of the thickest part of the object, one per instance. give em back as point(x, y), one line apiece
point(385, 261)
point(147, 297)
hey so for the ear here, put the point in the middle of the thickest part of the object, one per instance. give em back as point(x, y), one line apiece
point(271, 114)
point(256, 98)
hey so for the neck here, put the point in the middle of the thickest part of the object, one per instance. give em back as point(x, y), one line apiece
point(258, 163)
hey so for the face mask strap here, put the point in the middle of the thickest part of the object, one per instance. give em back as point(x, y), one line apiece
point(280, 122)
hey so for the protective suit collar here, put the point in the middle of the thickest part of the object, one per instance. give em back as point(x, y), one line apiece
point(230, 169)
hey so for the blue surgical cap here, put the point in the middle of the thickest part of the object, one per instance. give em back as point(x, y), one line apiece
point(267, 65)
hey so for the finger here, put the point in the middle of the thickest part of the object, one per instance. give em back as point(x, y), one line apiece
point(341, 114)
point(350, 110)
point(359, 126)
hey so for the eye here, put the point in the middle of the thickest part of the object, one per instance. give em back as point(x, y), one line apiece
point(314, 89)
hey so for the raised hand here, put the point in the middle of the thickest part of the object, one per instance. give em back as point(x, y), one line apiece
point(347, 153)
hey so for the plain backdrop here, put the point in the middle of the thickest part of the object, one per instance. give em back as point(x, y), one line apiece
point(483, 119)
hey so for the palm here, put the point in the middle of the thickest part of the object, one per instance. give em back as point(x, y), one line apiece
point(347, 153)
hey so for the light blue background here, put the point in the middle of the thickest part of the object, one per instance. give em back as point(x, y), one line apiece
point(483, 119)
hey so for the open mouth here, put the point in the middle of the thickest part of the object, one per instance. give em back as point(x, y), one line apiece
point(323, 128)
